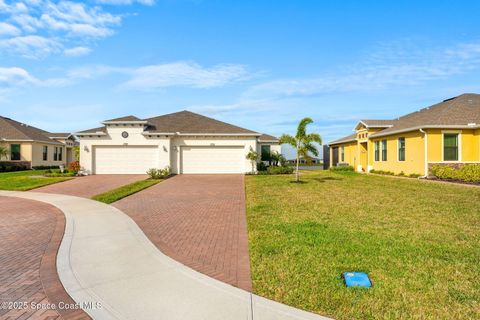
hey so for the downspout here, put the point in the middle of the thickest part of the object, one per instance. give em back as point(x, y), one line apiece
point(425, 138)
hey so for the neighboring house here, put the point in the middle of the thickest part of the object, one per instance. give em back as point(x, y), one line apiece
point(186, 142)
point(34, 147)
point(447, 133)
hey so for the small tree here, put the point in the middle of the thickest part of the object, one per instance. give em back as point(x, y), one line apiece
point(302, 142)
point(253, 157)
point(277, 158)
point(3, 152)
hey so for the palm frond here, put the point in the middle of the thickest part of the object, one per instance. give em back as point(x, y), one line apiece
point(288, 139)
point(302, 128)
point(311, 148)
point(314, 137)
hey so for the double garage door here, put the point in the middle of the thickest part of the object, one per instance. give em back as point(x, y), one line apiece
point(193, 159)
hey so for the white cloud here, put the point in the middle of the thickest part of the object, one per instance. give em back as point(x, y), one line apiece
point(389, 65)
point(77, 51)
point(187, 74)
point(14, 76)
point(61, 24)
point(30, 46)
point(8, 29)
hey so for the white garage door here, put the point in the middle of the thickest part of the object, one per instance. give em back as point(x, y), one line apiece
point(125, 159)
point(212, 160)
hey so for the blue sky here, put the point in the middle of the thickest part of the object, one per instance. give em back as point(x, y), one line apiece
point(263, 65)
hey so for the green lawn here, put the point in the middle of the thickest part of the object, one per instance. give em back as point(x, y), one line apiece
point(26, 180)
point(124, 191)
point(419, 241)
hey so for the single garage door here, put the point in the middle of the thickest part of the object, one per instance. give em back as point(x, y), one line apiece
point(212, 159)
point(125, 159)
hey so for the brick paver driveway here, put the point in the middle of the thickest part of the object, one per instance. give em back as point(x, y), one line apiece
point(89, 186)
point(30, 234)
point(198, 220)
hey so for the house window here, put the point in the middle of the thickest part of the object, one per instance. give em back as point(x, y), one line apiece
point(377, 150)
point(55, 154)
point(14, 152)
point(60, 153)
point(45, 153)
point(401, 149)
point(342, 154)
point(384, 150)
point(265, 153)
point(450, 147)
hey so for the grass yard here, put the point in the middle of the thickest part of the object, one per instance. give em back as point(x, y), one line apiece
point(124, 191)
point(26, 180)
point(419, 241)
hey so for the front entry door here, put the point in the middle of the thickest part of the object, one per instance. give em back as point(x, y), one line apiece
point(334, 156)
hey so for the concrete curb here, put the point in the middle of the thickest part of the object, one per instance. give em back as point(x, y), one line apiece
point(109, 267)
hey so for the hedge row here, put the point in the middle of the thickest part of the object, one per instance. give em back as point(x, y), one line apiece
point(467, 173)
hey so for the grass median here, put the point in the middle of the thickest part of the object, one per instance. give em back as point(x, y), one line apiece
point(124, 191)
point(27, 180)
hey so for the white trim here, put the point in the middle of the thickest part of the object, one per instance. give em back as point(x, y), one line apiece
point(425, 145)
point(382, 134)
point(99, 133)
point(398, 149)
point(459, 142)
point(125, 122)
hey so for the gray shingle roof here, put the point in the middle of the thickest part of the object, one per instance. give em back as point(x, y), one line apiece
point(349, 138)
point(267, 137)
point(457, 111)
point(126, 118)
point(185, 122)
point(14, 130)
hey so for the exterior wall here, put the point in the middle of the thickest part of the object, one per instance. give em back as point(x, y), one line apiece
point(37, 155)
point(114, 138)
point(168, 148)
point(247, 142)
point(25, 150)
point(468, 142)
point(414, 154)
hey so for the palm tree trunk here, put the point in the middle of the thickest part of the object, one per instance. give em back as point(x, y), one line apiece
point(297, 177)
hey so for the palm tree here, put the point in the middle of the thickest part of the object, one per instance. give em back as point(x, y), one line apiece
point(253, 157)
point(302, 142)
point(3, 152)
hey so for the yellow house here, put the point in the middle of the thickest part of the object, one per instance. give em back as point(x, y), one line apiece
point(447, 133)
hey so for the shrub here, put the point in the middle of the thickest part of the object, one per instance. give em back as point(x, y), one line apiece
point(414, 175)
point(280, 170)
point(74, 166)
point(261, 166)
point(387, 173)
point(342, 168)
point(467, 173)
point(159, 173)
point(44, 167)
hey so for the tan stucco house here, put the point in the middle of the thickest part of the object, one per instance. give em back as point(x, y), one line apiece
point(184, 141)
point(33, 146)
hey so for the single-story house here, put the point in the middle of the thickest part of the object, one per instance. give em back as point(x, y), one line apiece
point(31, 147)
point(184, 141)
point(447, 133)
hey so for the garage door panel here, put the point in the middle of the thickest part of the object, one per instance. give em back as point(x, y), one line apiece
point(197, 160)
point(125, 159)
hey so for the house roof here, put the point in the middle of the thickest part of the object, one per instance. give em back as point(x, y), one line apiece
point(14, 130)
point(184, 122)
point(267, 137)
point(59, 135)
point(126, 118)
point(457, 112)
point(375, 123)
point(349, 138)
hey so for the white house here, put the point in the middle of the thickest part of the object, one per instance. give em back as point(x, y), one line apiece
point(185, 141)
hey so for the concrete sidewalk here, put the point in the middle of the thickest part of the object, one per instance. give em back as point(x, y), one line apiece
point(106, 263)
